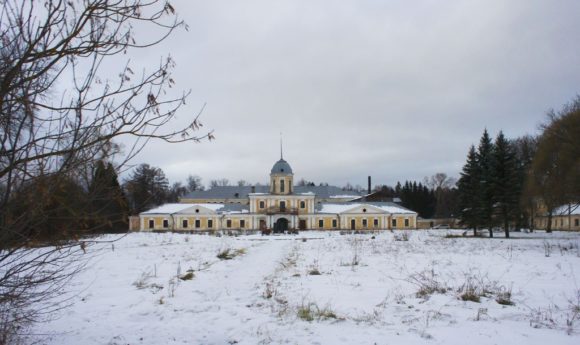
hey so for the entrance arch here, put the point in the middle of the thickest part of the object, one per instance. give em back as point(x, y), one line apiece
point(281, 225)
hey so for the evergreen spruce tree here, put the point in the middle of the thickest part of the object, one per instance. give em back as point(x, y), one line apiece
point(108, 202)
point(485, 159)
point(505, 181)
point(468, 186)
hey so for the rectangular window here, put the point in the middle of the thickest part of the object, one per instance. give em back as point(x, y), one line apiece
point(394, 223)
point(229, 223)
point(165, 223)
point(406, 222)
point(334, 223)
point(198, 223)
point(242, 223)
point(282, 205)
point(302, 204)
point(184, 224)
point(262, 204)
point(281, 186)
point(576, 222)
point(151, 224)
point(320, 223)
point(210, 223)
point(376, 223)
point(364, 223)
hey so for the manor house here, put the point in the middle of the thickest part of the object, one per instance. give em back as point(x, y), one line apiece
point(280, 207)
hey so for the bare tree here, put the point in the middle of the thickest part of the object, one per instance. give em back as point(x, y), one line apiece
point(222, 182)
point(59, 114)
point(554, 177)
point(194, 183)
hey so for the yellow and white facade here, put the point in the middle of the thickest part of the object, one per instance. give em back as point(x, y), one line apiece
point(279, 207)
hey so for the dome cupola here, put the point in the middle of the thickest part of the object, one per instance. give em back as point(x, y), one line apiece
point(281, 167)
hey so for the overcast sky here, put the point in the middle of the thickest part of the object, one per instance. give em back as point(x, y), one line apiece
point(393, 89)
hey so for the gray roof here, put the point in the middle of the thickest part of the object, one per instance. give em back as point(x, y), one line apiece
point(241, 192)
point(226, 192)
point(324, 192)
point(234, 208)
point(281, 167)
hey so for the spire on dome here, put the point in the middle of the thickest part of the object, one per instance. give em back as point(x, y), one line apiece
point(281, 152)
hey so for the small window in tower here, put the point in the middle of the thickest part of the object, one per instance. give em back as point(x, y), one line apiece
point(364, 209)
point(302, 204)
point(282, 170)
point(262, 205)
point(281, 186)
point(237, 195)
point(282, 205)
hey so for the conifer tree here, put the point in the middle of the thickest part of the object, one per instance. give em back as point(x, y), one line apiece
point(505, 181)
point(108, 201)
point(468, 186)
point(485, 193)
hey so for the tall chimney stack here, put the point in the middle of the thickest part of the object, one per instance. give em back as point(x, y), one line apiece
point(369, 192)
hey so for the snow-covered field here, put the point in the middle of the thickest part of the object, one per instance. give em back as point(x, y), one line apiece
point(326, 288)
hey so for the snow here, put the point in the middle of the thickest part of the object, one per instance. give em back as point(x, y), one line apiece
point(180, 207)
point(344, 196)
point(564, 209)
point(396, 210)
point(341, 208)
point(367, 289)
point(337, 208)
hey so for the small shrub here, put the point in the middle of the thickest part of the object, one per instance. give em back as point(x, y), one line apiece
point(470, 295)
point(187, 276)
point(314, 272)
point(306, 313)
point(228, 253)
point(311, 312)
point(141, 283)
point(427, 283)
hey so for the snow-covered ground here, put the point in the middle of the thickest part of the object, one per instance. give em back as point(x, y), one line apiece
point(386, 288)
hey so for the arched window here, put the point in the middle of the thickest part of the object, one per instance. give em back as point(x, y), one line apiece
point(282, 186)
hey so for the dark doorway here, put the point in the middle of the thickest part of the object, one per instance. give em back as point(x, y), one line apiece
point(352, 224)
point(281, 225)
point(302, 224)
point(262, 224)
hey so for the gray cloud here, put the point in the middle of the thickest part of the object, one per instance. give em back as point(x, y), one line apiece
point(395, 89)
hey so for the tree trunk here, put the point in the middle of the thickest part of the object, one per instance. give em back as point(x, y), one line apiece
point(491, 231)
point(507, 228)
point(549, 225)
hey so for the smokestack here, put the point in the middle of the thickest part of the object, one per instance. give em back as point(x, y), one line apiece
point(253, 189)
point(369, 185)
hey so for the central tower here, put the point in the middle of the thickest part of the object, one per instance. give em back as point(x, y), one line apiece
point(281, 178)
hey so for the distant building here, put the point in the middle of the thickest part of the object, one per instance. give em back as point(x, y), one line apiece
point(566, 217)
point(281, 206)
